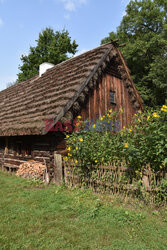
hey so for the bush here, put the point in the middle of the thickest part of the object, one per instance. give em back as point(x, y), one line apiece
point(143, 143)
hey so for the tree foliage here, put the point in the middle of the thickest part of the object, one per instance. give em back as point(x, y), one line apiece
point(52, 47)
point(144, 30)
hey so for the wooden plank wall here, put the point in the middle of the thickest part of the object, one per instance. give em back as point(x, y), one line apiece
point(99, 100)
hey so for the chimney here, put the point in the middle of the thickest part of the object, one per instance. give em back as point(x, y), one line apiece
point(44, 67)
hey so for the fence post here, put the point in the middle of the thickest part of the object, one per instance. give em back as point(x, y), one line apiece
point(58, 169)
point(145, 180)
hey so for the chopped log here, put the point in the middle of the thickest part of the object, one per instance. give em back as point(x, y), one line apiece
point(31, 169)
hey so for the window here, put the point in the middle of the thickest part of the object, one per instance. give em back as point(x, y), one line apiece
point(112, 97)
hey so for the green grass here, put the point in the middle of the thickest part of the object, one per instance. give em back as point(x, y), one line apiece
point(34, 216)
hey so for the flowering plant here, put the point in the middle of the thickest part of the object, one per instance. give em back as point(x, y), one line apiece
point(143, 143)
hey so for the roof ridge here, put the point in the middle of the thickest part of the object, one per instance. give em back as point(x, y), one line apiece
point(83, 85)
point(35, 77)
point(76, 57)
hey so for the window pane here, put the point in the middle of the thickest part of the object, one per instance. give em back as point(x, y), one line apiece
point(112, 97)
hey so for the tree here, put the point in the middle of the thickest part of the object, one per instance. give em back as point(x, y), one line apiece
point(144, 30)
point(112, 36)
point(52, 47)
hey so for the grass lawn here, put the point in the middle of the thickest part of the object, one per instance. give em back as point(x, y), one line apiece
point(34, 216)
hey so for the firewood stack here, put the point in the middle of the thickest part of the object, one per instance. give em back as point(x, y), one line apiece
point(32, 169)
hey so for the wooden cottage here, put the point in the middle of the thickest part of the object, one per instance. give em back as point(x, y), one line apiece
point(86, 85)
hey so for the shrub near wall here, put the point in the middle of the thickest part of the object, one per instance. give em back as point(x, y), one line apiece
point(142, 145)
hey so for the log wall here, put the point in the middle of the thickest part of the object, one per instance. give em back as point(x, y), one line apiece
point(42, 150)
point(99, 100)
point(20, 149)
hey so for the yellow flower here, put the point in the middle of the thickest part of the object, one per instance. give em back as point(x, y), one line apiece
point(79, 117)
point(81, 140)
point(76, 148)
point(148, 117)
point(139, 120)
point(130, 130)
point(164, 108)
point(126, 145)
point(95, 161)
point(69, 154)
point(155, 115)
point(135, 114)
point(67, 136)
point(110, 111)
point(94, 125)
point(123, 127)
point(121, 110)
point(76, 161)
point(101, 118)
point(69, 148)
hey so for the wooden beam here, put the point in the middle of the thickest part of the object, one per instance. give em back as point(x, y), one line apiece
point(58, 169)
point(6, 145)
point(85, 83)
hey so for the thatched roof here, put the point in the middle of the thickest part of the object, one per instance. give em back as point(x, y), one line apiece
point(25, 106)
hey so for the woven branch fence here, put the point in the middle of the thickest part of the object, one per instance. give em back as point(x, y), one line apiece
point(115, 179)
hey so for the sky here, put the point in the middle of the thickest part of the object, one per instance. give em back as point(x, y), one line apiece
point(88, 22)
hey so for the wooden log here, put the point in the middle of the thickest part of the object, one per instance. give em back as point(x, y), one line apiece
point(91, 84)
point(113, 53)
point(130, 91)
point(137, 105)
point(76, 107)
point(128, 84)
point(69, 116)
point(145, 181)
point(6, 146)
point(133, 99)
point(81, 98)
point(96, 76)
point(58, 169)
point(99, 72)
point(86, 90)
point(103, 66)
point(108, 59)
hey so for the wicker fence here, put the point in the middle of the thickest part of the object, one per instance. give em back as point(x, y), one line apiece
point(115, 179)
